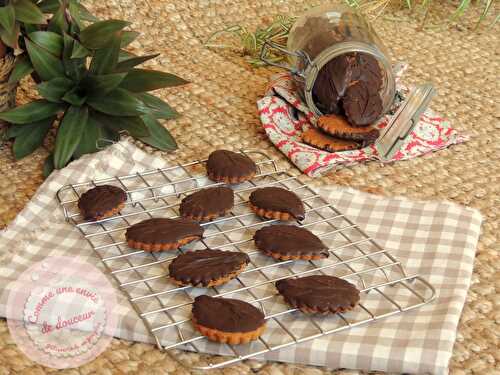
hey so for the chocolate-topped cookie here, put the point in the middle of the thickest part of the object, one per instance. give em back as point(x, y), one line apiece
point(207, 267)
point(337, 75)
point(227, 320)
point(317, 138)
point(331, 83)
point(289, 242)
point(277, 203)
point(319, 294)
point(207, 204)
point(337, 126)
point(230, 167)
point(362, 105)
point(160, 234)
point(101, 202)
point(368, 71)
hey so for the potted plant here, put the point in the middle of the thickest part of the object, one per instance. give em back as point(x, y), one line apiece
point(17, 19)
point(13, 14)
point(91, 87)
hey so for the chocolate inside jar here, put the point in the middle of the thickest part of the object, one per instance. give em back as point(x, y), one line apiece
point(349, 84)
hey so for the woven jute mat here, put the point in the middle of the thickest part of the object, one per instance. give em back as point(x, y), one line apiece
point(219, 110)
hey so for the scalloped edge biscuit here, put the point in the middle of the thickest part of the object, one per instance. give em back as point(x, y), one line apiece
point(316, 138)
point(213, 282)
point(154, 247)
point(233, 338)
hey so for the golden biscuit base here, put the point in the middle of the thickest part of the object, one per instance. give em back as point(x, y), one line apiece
point(230, 179)
point(233, 338)
point(154, 247)
point(338, 126)
point(269, 214)
point(214, 282)
point(109, 213)
point(208, 217)
point(293, 257)
point(313, 310)
point(316, 138)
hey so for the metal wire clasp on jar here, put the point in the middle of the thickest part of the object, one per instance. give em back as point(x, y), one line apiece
point(339, 64)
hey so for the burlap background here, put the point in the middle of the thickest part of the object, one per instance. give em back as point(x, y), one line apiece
point(219, 111)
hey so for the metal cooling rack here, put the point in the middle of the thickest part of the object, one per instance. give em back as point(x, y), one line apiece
point(165, 308)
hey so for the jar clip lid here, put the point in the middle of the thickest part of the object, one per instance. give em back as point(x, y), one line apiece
point(268, 44)
point(404, 120)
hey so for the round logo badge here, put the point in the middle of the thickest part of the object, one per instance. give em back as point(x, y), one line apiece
point(60, 312)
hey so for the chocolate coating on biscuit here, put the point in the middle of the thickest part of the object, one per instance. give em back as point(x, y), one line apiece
point(368, 70)
point(320, 293)
point(278, 199)
point(163, 231)
point(99, 200)
point(335, 77)
point(227, 314)
point(203, 266)
point(210, 201)
point(224, 163)
point(289, 240)
point(361, 105)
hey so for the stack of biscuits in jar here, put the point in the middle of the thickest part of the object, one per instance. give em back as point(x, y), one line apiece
point(347, 91)
point(220, 319)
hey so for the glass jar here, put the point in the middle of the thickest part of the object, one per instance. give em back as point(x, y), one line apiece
point(339, 44)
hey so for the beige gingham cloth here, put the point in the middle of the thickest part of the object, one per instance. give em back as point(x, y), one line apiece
point(434, 239)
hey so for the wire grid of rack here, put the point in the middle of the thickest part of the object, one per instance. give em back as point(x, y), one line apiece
point(165, 308)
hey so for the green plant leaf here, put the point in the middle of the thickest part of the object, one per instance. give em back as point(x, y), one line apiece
point(126, 65)
point(86, 15)
point(74, 12)
point(128, 37)
point(49, 6)
point(49, 40)
point(90, 137)
point(118, 102)
point(28, 12)
point(58, 22)
point(48, 166)
point(73, 67)
point(7, 17)
point(29, 28)
point(55, 89)
point(125, 55)
point(159, 137)
point(31, 112)
point(109, 136)
point(46, 65)
point(157, 107)
point(132, 125)
point(74, 97)
point(140, 80)
point(105, 59)
point(30, 137)
point(79, 51)
point(99, 34)
point(102, 84)
point(69, 134)
point(21, 69)
point(10, 36)
point(484, 13)
point(13, 131)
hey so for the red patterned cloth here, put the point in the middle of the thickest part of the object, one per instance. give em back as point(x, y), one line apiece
point(285, 116)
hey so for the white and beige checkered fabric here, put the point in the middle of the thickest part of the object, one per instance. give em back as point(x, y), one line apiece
point(436, 240)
